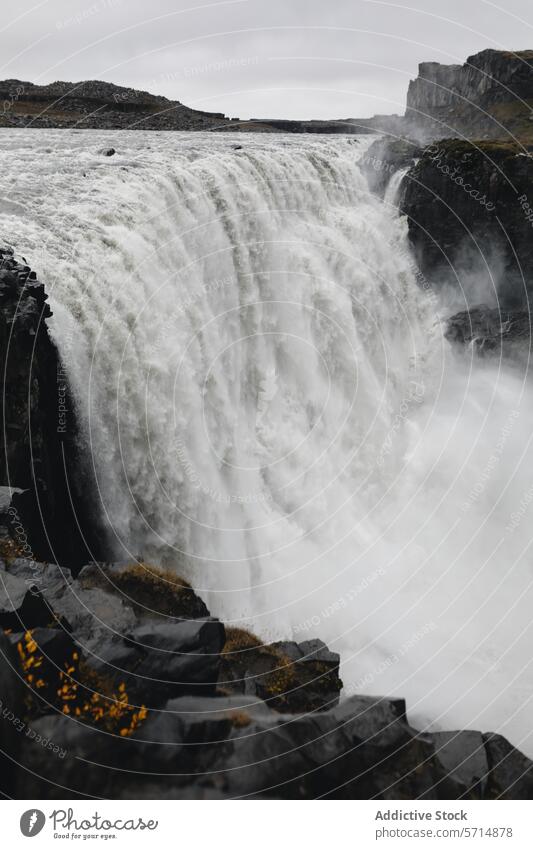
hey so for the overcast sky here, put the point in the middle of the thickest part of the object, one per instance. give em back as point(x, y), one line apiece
point(256, 58)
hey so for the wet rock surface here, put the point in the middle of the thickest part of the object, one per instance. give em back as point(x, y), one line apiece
point(11, 709)
point(492, 332)
point(40, 461)
point(470, 218)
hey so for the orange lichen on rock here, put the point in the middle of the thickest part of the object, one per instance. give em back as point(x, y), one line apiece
point(81, 692)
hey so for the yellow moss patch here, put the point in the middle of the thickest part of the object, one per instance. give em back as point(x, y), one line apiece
point(238, 640)
point(243, 653)
point(280, 680)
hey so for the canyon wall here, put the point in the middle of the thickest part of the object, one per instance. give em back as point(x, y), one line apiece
point(490, 96)
point(470, 219)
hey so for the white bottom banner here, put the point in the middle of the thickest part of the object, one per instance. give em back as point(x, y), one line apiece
point(267, 824)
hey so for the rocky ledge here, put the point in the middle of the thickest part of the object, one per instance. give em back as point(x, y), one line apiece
point(470, 217)
point(494, 332)
point(119, 684)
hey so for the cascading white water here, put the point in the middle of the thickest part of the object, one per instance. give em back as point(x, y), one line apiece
point(272, 408)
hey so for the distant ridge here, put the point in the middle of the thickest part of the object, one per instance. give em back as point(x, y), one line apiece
point(490, 96)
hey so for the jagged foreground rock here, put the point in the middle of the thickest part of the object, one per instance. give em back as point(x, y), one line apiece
point(161, 702)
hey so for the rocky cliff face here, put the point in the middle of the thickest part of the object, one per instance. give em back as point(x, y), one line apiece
point(490, 96)
point(470, 212)
point(39, 454)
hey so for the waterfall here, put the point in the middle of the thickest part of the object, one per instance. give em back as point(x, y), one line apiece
point(393, 187)
point(272, 409)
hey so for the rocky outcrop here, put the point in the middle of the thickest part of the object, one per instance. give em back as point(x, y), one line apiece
point(290, 677)
point(470, 213)
point(41, 464)
point(179, 708)
point(492, 332)
point(487, 97)
point(151, 594)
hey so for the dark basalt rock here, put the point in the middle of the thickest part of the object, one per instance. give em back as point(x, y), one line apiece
point(463, 758)
point(290, 677)
point(493, 332)
point(92, 614)
point(39, 450)
point(21, 605)
point(486, 97)
point(11, 713)
point(159, 661)
point(51, 580)
point(89, 613)
point(235, 746)
point(470, 218)
point(239, 748)
point(150, 591)
point(511, 773)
